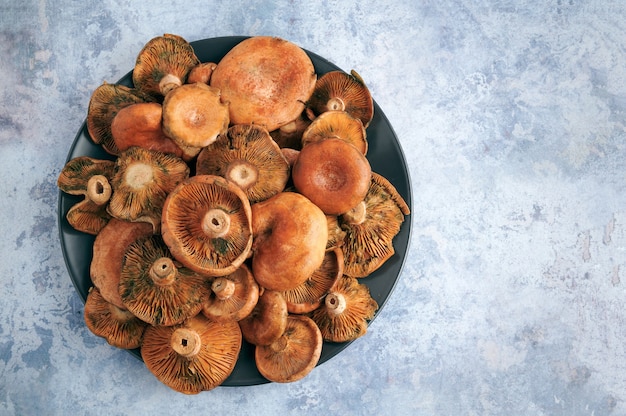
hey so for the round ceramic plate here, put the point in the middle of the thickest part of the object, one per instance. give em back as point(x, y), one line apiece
point(384, 154)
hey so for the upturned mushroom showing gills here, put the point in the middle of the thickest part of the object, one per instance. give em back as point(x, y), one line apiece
point(231, 297)
point(308, 296)
point(266, 81)
point(290, 235)
point(91, 178)
point(371, 226)
point(193, 116)
point(206, 224)
point(336, 124)
point(163, 64)
point(337, 90)
point(119, 327)
point(333, 174)
point(249, 157)
point(294, 354)
point(105, 102)
point(142, 180)
point(197, 355)
point(267, 320)
point(345, 312)
point(155, 289)
point(109, 247)
point(141, 125)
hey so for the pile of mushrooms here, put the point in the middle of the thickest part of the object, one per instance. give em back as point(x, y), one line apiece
point(239, 205)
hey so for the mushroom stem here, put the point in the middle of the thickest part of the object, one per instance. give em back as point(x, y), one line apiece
point(244, 174)
point(168, 83)
point(335, 303)
point(138, 174)
point(280, 344)
point(186, 342)
point(163, 271)
point(216, 223)
point(99, 189)
point(336, 104)
point(223, 288)
point(356, 215)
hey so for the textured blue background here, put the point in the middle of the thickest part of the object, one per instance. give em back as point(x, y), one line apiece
point(512, 118)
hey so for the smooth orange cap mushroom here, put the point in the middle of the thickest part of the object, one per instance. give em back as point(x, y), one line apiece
point(333, 174)
point(267, 320)
point(290, 235)
point(266, 81)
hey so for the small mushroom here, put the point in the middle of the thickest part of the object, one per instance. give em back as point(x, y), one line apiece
point(197, 355)
point(105, 102)
point(266, 81)
point(89, 177)
point(308, 296)
point(247, 156)
point(336, 124)
point(206, 223)
point(333, 174)
point(109, 247)
point(141, 125)
point(155, 288)
point(143, 179)
point(194, 116)
point(371, 226)
point(346, 311)
point(267, 320)
point(118, 326)
point(163, 64)
point(290, 235)
point(294, 354)
point(337, 90)
point(201, 73)
point(231, 297)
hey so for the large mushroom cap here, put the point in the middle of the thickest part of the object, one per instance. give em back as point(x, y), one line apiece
point(290, 236)
point(155, 289)
point(294, 354)
point(194, 356)
point(267, 320)
point(90, 177)
point(118, 326)
point(266, 80)
point(109, 247)
point(371, 226)
point(163, 64)
point(206, 223)
point(231, 297)
point(337, 90)
point(105, 102)
point(249, 157)
point(142, 181)
point(333, 174)
point(345, 312)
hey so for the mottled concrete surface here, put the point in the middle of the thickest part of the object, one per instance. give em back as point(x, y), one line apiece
point(512, 118)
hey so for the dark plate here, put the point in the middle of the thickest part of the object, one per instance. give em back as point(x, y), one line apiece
point(384, 154)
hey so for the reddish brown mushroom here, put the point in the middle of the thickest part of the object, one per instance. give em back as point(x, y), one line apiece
point(294, 354)
point(267, 320)
point(266, 81)
point(197, 355)
point(119, 327)
point(231, 297)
